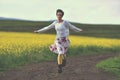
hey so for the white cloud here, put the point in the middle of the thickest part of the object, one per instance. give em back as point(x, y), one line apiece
point(86, 11)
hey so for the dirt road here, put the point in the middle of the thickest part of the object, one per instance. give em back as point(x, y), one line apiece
point(77, 68)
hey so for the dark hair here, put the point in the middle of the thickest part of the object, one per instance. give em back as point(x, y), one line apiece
point(59, 10)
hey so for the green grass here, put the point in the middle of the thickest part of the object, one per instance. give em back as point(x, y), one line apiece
point(92, 49)
point(37, 54)
point(41, 54)
point(105, 31)
point(111, 65)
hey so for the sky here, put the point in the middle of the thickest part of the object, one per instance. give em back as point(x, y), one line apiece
point(81, 11)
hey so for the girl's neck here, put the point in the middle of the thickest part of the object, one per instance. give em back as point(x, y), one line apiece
point(60, 20)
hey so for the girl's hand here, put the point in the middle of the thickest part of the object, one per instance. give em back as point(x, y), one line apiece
point(36, 31)
point(81, 30)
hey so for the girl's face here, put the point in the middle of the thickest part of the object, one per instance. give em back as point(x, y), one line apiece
point(59, 15)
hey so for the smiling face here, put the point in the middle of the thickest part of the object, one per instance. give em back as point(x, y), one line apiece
point(59, 15)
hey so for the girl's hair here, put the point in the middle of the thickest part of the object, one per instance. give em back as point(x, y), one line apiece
point(59, 10)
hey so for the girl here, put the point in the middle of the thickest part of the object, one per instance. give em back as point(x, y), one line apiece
point(61, 42)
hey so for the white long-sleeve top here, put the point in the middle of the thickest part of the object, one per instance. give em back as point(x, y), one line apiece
point(62, 28)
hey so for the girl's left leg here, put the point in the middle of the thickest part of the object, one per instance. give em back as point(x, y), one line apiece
point(63, 60)
point(59, 59)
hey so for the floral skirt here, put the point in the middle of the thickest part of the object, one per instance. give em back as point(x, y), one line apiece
point(60, 45)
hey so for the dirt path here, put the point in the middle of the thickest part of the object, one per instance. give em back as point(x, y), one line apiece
point(77, 68)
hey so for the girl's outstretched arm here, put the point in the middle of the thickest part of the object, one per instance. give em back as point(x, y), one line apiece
point(73, 27)
point(46, 28)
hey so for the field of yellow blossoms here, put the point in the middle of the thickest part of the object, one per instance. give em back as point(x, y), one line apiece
point(20, 48)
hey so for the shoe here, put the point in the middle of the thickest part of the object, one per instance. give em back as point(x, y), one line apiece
point(60, 68)
point(63, 62)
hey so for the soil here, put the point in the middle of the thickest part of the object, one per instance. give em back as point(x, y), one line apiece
point(78, 68)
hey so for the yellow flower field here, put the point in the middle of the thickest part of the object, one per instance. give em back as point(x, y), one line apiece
point(21, 48)
point(20, 41)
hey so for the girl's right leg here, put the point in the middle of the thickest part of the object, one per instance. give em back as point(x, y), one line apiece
point(59, 59)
